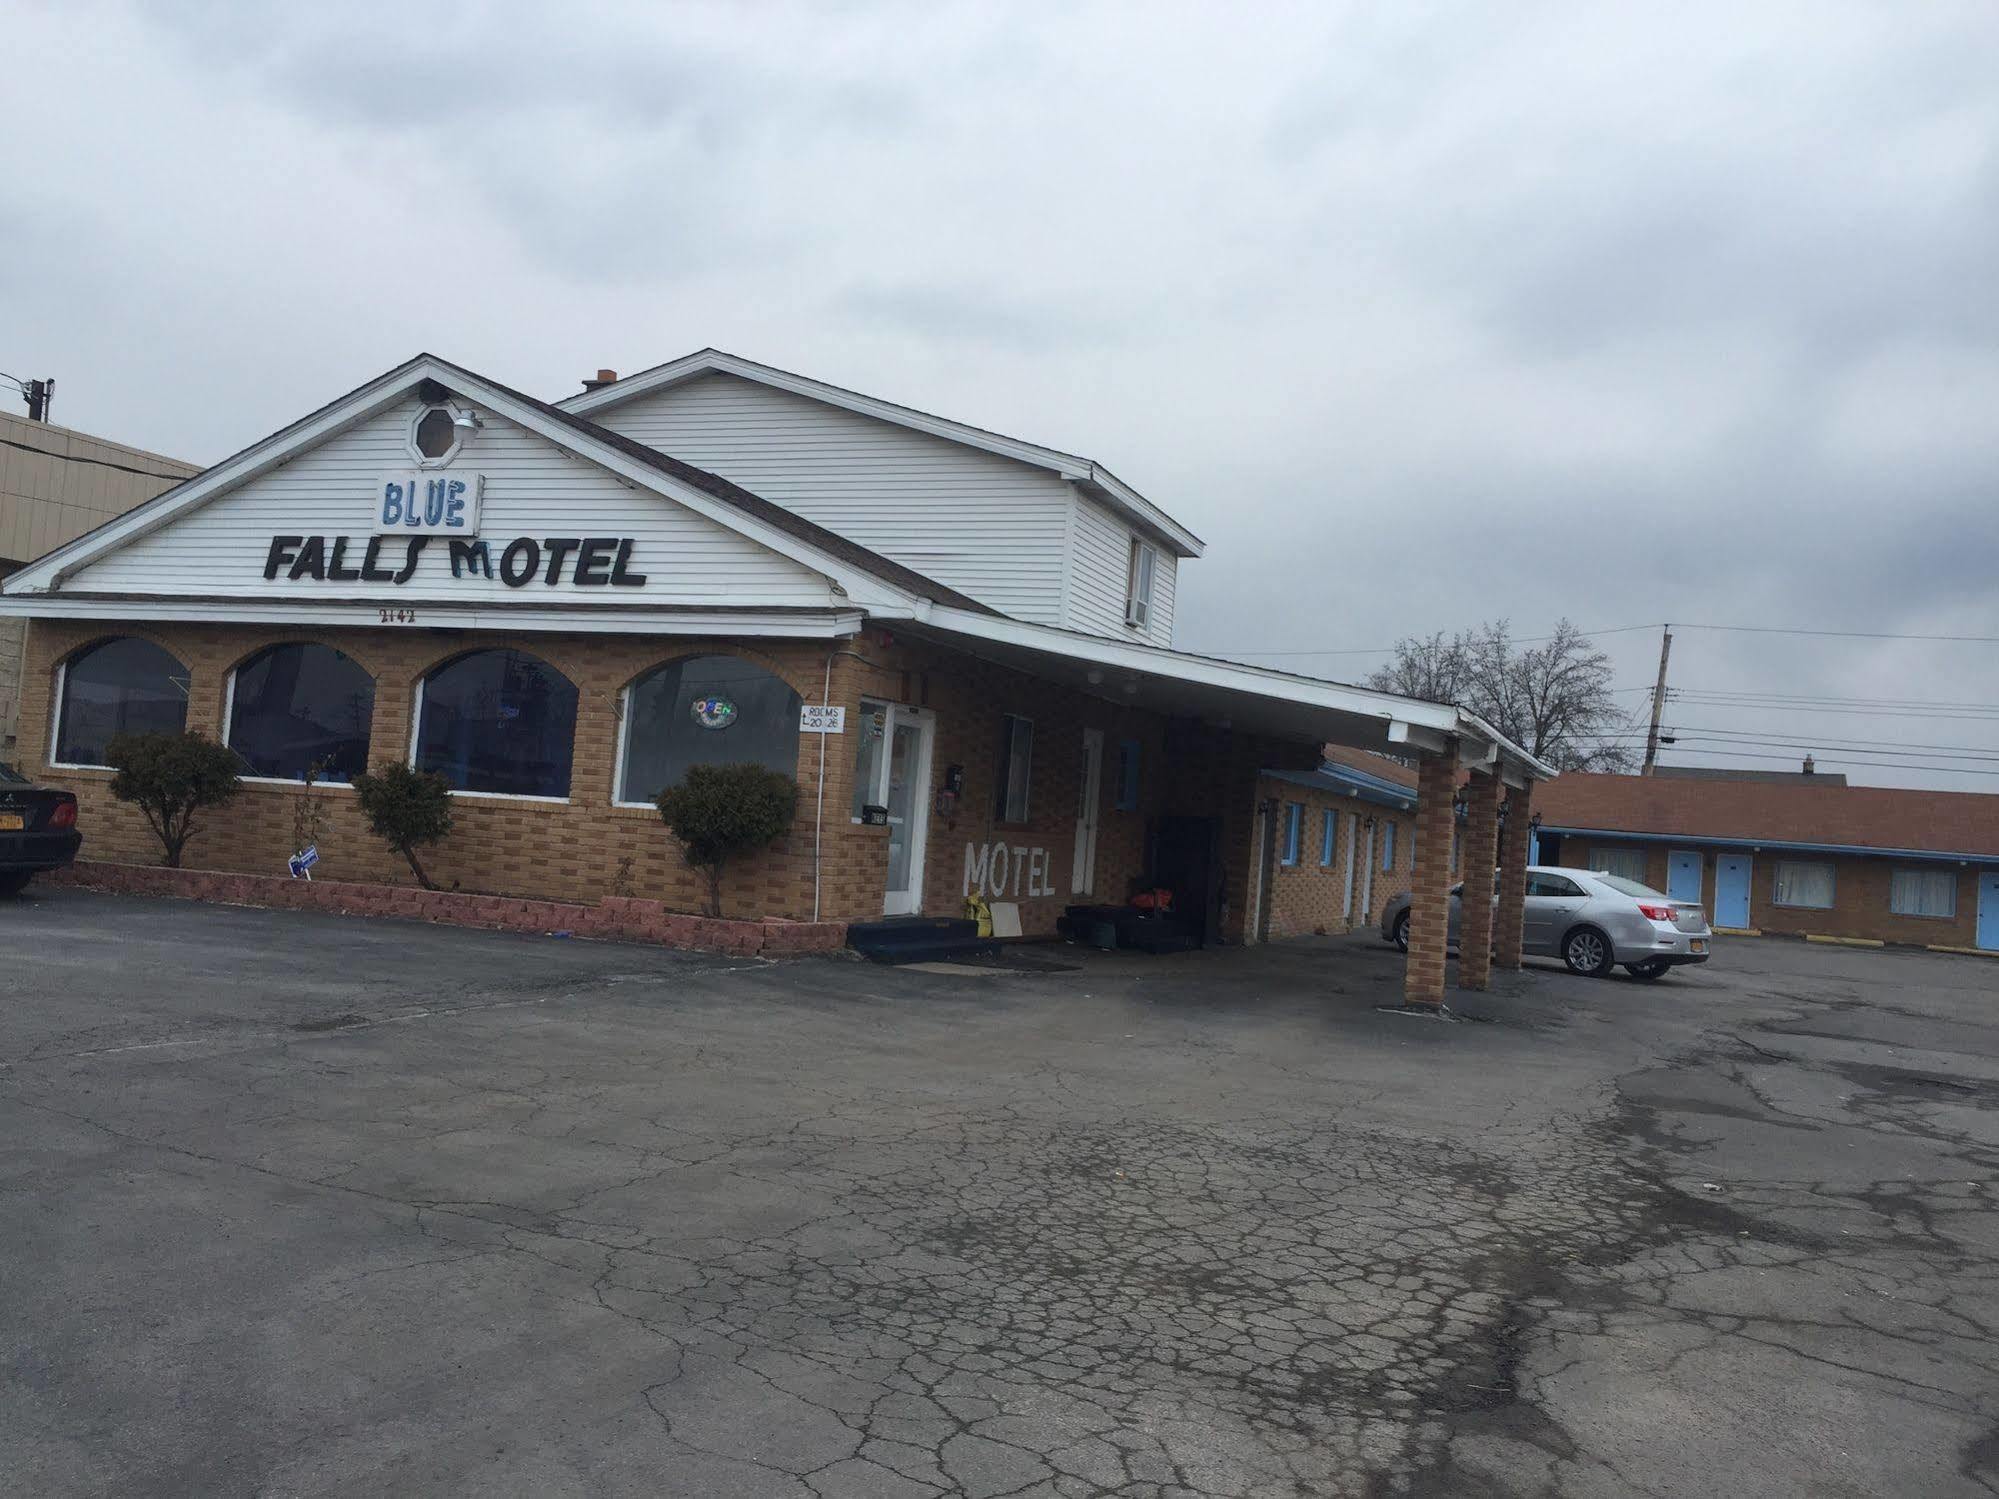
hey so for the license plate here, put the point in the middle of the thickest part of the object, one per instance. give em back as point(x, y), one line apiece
point(11, 822)
point(1697, 945)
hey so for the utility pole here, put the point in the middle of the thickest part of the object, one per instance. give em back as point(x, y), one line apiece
point(1658, 701)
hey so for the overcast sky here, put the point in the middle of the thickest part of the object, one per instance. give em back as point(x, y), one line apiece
point(1421, 314)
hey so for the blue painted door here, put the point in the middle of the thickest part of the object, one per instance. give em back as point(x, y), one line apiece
point(1683, 875)
point(1731, 890)
point(1988, 911)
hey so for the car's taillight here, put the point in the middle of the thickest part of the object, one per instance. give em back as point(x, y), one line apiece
point(64, 815)
point(1653, 912)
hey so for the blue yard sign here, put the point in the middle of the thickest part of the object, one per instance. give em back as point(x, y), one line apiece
point(302, 862)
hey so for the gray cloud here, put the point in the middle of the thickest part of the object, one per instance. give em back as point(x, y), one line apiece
point(1683, 312)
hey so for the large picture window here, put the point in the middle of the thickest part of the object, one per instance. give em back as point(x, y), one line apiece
point(1802, 883)
point(123, 686)
point(1627, 862)
point(498, 722)
point(295, 709)
point(1923, 892)
point(706, 710)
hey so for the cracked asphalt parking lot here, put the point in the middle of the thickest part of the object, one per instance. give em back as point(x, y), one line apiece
point(298, 1205)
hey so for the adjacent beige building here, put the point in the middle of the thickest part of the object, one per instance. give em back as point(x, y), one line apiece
point(56, 484)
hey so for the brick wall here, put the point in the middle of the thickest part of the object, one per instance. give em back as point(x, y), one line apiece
point(588, 848)
point(1860, 893)
point(1311, 896)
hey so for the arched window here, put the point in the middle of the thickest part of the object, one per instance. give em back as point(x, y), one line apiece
point(705, 710)
point(501, 722)
point(121, 686)
point(294, 708)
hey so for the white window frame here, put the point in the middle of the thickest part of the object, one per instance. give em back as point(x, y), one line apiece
point(1387, 846)
point(1329, 836)
point(229, 723)
point(416, 736)
point(1294, 835)
point(457, 435)
point(61, 693)
point(1777, 884)
point(1141, 571)
point(1003, 812)
point(1950, 883)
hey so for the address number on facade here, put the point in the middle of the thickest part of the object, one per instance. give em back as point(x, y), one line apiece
point(822, 718)
point(396, 616)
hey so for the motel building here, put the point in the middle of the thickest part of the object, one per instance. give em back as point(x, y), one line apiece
point(958, 643)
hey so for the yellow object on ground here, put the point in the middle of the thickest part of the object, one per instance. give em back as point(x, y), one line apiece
point(977, 910)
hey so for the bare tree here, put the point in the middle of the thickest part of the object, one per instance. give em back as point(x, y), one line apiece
point(1553, 697)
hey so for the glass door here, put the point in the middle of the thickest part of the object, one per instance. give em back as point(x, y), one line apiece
point(892, 771)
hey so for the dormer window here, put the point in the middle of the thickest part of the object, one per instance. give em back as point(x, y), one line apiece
point(1138, 585)
point(435, 436)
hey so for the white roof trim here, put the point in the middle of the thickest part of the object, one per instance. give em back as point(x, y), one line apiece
point(47, 574)
point(1406, 720)
point(359, 614)
point(1112, 490)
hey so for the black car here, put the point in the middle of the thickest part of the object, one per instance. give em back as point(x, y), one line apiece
point(37, 829)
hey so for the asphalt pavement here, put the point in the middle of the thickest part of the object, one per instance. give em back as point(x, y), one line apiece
point(298, 1205)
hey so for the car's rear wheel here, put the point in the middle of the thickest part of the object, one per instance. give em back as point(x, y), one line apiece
point(1402, 931)
point(1587, 951)
point(1651, 968)
point(15, 882)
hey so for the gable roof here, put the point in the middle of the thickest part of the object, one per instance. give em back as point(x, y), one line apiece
point(782, 530)
point(1085, 473)
point(1887, 818)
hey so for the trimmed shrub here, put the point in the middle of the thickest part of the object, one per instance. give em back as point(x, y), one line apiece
point(720, 811)
point(170, 777)
point(408, 809)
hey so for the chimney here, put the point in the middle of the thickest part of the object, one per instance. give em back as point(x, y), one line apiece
point(1811, 765)
point(604, 377)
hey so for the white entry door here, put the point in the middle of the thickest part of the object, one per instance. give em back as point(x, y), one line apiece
point(893, 770)
point(1083, 870)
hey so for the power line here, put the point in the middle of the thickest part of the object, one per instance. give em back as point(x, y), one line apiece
point(1757, 696)
point(1389, 650)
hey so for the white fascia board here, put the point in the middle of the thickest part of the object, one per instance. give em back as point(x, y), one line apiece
point(1119, 495)
point(1155, 660)
point(1422, 725)
point(354, 614)
point(47, 574)
point(1511, 756)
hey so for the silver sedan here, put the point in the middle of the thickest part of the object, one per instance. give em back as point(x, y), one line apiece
point(1592, 921)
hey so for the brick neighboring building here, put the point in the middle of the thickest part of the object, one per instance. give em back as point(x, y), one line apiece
point(1793, 856)
point(1353, 849)
point(56, 484)
point(550, 607)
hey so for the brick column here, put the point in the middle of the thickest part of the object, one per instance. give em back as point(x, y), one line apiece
point(1430, 881)
point(1481, 850)
point(1513, 836)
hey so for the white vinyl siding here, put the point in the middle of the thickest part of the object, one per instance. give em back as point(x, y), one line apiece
point(990, 527)
point(1923, 892)
point(1099, 585)
point(531, 489)
point(1803, 884)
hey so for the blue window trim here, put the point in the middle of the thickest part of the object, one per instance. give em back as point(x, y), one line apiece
point(1328, 836)
point(1387, 848)
point(1294, 819)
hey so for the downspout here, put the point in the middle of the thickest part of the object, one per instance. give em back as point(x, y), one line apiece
point(819, 812)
